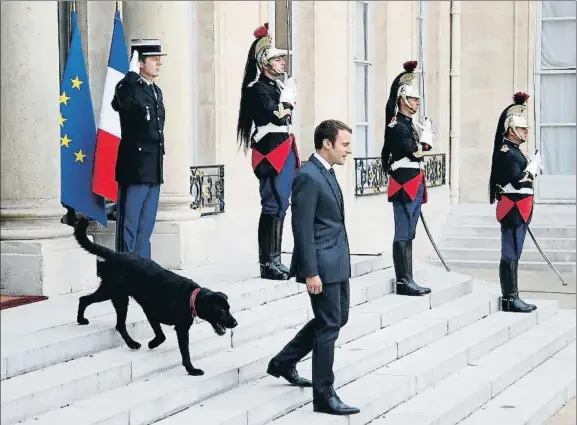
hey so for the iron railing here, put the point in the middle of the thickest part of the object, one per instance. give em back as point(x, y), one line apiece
point(370, 179)
point(435, 169)
point(207, 189)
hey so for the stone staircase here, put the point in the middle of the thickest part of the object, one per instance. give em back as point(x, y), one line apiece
point(472, 238)
point(446, 358)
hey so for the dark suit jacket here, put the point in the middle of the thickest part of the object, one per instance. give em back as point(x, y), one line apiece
point(321, 245)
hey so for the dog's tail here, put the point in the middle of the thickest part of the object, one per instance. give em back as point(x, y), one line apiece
point(87, 244)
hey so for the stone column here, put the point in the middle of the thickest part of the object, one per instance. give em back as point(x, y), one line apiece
point(39, 256)
point(174, 244)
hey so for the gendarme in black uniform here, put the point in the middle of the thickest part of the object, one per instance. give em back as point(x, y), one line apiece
point(511, 184)
point(402, 157)
point(264, 119)
point(141, 109)
point(139, 165)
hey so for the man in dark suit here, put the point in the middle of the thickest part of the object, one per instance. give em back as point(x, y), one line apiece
point(321, 259)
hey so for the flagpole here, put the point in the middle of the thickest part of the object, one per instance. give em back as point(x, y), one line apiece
point(118, 6)
point(74, 6)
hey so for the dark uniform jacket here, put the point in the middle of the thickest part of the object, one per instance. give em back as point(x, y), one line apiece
point(513, 209)
point(402, 141)
point(141, 150)
point(267, 108)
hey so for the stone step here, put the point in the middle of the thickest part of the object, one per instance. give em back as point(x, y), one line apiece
point(168, 392)
point(258, 402)
point(457, 396)
point(494, 230)
point(537, 266)
point(396, 382)
point(67, 382)
point(494, 242)
point(534, 398)
point(487, 254)
point(64, 340)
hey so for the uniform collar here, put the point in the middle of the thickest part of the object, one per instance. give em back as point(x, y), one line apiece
point(403, 117)
point(265, 79)
point(150, 83)
point(511, 143)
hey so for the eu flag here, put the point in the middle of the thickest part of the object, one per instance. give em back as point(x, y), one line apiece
point(78, 135)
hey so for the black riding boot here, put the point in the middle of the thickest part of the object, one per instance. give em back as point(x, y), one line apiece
point(410, 264)
point(266, 249)
point(510, 301)
point(516, 271)
point(403, 262)
point(276, 254)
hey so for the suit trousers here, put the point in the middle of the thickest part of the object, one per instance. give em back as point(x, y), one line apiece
point(512, 241)
point(407, 216)
point(275, 191)
point(331, 311)
point(135, 217)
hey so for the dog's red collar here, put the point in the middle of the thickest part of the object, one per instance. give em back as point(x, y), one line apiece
point(193, 301)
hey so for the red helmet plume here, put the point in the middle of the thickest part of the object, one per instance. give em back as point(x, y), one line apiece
point(410, 66)
point(520, 98)
point(261, 31)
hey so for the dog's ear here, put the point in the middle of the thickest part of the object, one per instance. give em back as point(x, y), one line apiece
point(222, 294)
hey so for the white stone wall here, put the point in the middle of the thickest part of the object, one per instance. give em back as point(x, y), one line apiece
point(497, 40)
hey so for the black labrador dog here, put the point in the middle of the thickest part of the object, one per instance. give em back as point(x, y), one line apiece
point(165, 297)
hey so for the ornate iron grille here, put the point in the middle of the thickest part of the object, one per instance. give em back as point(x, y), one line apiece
point(370, 179)
point(435, 169)
point(207, 189)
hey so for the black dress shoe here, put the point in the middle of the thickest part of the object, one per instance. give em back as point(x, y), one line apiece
point(408, 287)
point(290, 374)
point(333, 405)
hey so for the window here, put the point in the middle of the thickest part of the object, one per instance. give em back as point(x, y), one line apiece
point(363, 118)
point(555, 86)
point(283, 25)
point(422, 55)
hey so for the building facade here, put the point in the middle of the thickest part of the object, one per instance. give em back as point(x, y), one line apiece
point(473, 56)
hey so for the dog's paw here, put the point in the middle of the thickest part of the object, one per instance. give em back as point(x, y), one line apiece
point(82, 321)
point(156, 341)
point(194, 371)
point(133, 345)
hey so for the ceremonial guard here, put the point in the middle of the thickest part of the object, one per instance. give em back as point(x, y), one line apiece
point(268, 98)
point(139, 166)
point(402, 157)
point(511, 184)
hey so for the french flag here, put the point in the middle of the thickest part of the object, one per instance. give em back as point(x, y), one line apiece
point(108, 136)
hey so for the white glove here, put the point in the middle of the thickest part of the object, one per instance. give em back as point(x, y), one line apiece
point(291, 84)
point(535, 164)
point(288, 95)
point(134, 66)
point(288, 90)
point(427, 133)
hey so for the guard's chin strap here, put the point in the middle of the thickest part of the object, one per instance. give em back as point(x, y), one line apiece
point(274, 71)
point(522, 140)
point(408, 105)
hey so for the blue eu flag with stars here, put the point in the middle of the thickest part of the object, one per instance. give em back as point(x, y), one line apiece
point(78, 135)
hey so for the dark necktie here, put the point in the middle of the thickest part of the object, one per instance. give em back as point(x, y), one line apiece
point(334, 177)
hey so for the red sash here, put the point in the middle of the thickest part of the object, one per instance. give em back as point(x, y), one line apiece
point(505, 205)
point(411, 187)
point(278, 156)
